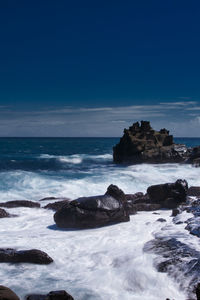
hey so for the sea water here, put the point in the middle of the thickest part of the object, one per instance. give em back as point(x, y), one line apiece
point(102, 263)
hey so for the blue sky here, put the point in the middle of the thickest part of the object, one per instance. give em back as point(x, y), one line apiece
point(91, 68)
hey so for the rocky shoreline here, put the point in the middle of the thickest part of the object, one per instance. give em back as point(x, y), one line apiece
point(114, 207)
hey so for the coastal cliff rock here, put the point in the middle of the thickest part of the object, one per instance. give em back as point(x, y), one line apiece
point(33, 256)
point(141, 143)
point(96, 211)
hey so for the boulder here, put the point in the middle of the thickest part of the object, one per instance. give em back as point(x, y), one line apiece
point(55, 198)
point(4, 213)
point(141, 143)
point(33, 256)
point(7, 294)
point(56, 205)
point(95, 211)
point(194, 156)
point(19, 203)
point(54, 295)
point(168, 195)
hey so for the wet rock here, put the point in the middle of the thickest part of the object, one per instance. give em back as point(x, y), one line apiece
point(34, 256)
point(141, 143)
point(194, 191)
point(161, 220)
point(54, 295)
point(169, 195)
point(133, 208)
point(198, 291)
point(96, 211)
point(175, 212)
point(194, 156)
point(178, 260)
point(4, 213)
point(48, 198)
point(55, 198)
point(56, 205)
point(116, 193)
point(7, 294)
point(19, 203)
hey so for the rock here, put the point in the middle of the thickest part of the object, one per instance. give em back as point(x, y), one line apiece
point(169, 195)
point(54, 295)
point(198, 291)
point(4, 214)
point(24, 256)
point(96, 211)
point(161, 220)
point(132, 208)
point(19, 203)
point(7, 294)
point(194, 157)
point(116, 193)
point(138, 198)
point(56, 205)
point(175, 212)
point(141, 143)
point(178, 260)
point(55, 198)
point(194, 191)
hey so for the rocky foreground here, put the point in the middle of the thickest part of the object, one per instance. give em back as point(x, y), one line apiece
point(142, 144)
point(173, 256)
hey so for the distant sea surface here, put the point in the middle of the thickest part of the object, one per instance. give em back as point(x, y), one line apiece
point(104, 263)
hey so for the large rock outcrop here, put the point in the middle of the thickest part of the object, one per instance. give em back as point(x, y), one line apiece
point(140, 143)
point(54, 295)
point(96, 211)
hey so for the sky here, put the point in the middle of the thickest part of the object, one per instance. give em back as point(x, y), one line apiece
point(92, 68)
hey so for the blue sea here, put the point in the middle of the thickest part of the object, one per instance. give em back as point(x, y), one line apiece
point(104, 263)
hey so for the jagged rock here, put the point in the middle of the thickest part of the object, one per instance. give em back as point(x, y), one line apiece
point(4, 213)
point(178, 260)
point(54, 295)
point(169, 195)
point(7, 294)
point(89, 212)
point(141, 143)
point(19, 203)
point(56, 205)
point(33, 256)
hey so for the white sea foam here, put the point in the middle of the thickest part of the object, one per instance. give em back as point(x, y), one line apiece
point(77, 158)
point(105, 263)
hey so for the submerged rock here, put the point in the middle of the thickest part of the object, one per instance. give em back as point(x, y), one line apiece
point(54, 295)
point(168, 195)
point(96, 211)
point(141, 143)
point(19, 203)
point(33, 256)
point(7, 294)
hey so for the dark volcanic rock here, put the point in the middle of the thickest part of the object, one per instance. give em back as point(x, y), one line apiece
point(33, 256)
point(55, 198)
point(7, 294)
point(54, 295)
point(116, 193)
point(19, 203)
point(194, 156)
point(194, 191)
point(140, 143)
point(169, 195)
point(4, 214)
point(198, 291)
point(89, 212)
point(178, 260)
point(56, 205)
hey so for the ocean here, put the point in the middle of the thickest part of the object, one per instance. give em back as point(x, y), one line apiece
point(103, 263)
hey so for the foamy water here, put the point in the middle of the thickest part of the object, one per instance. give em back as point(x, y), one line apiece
point(104, 263)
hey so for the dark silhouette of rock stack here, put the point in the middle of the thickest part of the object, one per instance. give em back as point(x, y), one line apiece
point(140, 143)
